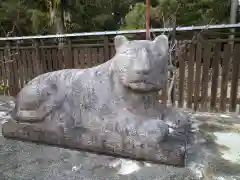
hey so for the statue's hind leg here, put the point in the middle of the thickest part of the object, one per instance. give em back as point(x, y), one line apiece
point(32, 106)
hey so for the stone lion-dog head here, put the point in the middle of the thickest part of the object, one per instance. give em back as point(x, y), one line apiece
point(141, 64)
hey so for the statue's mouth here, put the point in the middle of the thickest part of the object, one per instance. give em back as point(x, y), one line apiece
point(141, 82)
point(143, 85)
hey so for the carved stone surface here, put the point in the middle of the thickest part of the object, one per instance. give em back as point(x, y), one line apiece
point(169, 151)
point(119, 97)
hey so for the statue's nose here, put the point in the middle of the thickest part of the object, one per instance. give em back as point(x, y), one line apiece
point(141, 67)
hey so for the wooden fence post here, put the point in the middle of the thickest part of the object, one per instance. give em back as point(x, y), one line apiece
point(4, 76)
point(215, 76)
point(43, 57)
point(38, 68)
point(8, 66)
point(182, 56)
point(198, 75)
point(17, 65)
point(225, 71)
point(205, 76)
point(11, 64)
point(20, 65)
point(190, 86)
point(106, 48)
point(173, 60)
point(234, 83)
point(70, 55)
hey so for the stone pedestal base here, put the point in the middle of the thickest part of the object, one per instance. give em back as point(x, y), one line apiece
point(213, 154)
point(171, 151)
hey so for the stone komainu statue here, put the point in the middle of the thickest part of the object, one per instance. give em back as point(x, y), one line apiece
point(120, 95)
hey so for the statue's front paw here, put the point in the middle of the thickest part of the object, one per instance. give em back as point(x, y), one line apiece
point(177, 120)
point(27, 116)
point(153, 131)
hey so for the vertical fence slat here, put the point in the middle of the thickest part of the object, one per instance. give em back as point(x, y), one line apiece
point(43, 58)
point(24, 65)
point(59, 58)
point(65, 60)
point(46, 59)
point(224, 82)
point(33, 66)
point(89, 58)
point(29, 65)
point(28, 59)
point(106, 48)
point(164, 95)
point(181, 76)
point(172, 95)
point(85, 57)
point(215, 74)
point(34, 63)
point(234, 83)
point(198, 75)
point(205, 76)
point(38, 58)
point(81, 60)
point(1, 71)
point(190, 75)
point(101, 55)
point(1, 68)
point(69, 57)
point(9, 66)
point(20, 68)
point(4, 72)
point(49, 59)
point(54, 60)
point(94, 56)
point(15, 73)
point(75, 58)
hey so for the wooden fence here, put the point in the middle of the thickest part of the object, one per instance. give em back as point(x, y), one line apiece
point(206, 77)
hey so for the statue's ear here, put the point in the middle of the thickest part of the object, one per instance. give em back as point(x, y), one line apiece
point(119, 40)
point(161, 43)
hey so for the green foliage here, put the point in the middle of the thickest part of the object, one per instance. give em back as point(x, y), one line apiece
point(196, 12)
point(136, 18)
point(47, 16)
point(51, 16)
point(38, 19)
point(188, 12)
point(3, 87)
